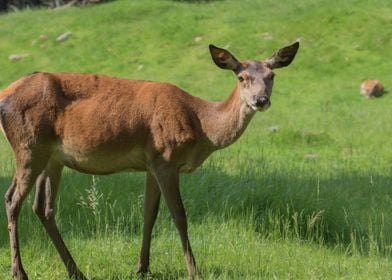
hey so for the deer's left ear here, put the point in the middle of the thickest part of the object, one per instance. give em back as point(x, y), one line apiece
point(224, 59)
point(283, 57)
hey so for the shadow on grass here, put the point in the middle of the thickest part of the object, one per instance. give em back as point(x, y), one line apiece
point(346, 209)
point(169, 275)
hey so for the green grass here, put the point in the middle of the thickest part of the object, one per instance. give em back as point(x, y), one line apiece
point(310, 201)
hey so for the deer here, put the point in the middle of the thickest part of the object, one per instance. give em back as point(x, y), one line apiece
point(97, 124)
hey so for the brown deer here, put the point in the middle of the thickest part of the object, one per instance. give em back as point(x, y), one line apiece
point(103, 125)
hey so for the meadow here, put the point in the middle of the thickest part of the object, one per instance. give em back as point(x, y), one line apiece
point(305, 193)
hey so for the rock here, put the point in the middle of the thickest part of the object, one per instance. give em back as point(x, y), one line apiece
point(267, 36)
point(372, 88)
point(64, 37)
point(311, 156)
point(43, 37)
point(17, 57)
point(197, 39)
point(273, 129)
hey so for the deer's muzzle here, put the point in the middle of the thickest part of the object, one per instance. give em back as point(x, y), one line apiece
point(262, 103)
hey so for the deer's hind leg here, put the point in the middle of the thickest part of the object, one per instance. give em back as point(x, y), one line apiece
point(47, 187)
point(27, 170)
point(152, 195)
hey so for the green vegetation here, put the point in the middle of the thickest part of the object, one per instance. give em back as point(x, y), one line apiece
point(311, 200)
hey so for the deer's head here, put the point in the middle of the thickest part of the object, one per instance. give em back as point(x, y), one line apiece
point(255, 78)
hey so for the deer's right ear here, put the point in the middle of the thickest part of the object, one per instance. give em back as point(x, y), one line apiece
point(224, 59)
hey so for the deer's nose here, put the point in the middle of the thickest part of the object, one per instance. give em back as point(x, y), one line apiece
point(262, 101)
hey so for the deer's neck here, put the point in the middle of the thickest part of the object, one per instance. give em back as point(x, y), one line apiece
point(224, 122)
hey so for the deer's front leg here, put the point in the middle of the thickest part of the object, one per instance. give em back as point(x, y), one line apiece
point(152, 196)
point(168, 179)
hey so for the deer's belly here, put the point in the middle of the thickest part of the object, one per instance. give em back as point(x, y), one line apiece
point(101, 162)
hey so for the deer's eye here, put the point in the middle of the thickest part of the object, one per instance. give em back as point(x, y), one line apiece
point(241, 79)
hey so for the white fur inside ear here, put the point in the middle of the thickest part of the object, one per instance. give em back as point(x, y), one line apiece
point(283, 57)
point(221, 55)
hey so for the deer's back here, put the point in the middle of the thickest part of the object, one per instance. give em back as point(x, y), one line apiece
point(86, 118)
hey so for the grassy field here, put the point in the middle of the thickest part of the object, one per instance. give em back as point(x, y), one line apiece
point(311, 200)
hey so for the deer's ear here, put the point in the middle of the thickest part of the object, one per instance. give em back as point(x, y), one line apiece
point(224, 59)
point(283, 57)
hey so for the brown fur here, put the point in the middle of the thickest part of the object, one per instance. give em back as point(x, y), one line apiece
point(88, 120)
point(102, 125)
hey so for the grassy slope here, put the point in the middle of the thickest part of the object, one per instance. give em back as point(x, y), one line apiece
point(259, 208)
